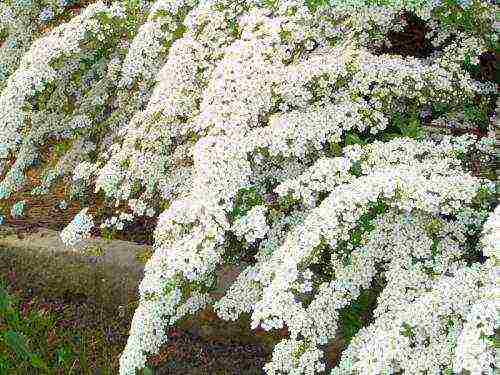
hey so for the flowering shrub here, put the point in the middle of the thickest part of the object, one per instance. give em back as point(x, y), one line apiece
point(17, 209)
point(278, 128)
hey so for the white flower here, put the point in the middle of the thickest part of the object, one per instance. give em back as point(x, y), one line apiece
point(17, 209)
point(46, 15)
point(84, 170)
point(78, 229)
point(253, 225)
point(63, 205)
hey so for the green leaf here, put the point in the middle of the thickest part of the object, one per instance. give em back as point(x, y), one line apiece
point(63, 355)
point(17, 343)
point(37, 362)
point(6, 364)
point(356, 169)
point(353, 139)
point(391, 136)
point(4, 301)
point(495, 341)
point(412, 129)
point(315, 4)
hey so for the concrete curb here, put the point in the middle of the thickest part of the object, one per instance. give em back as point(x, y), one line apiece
point(118, 260)
point(116, 252)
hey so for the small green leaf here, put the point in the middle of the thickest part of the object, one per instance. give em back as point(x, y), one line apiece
point(356, 169)
point(495, 341)
point(37, 362)
point(4, 301)
point(391, 136)
point(353, 139)
point(63, 355)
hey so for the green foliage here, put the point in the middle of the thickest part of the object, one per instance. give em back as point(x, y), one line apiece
point(408, 331)
point(494, 340)
point(408, 126)
point(64, 355)
point(434, 247)
point(485, 198)
point(234, 248)
point(473, 69)
point(245, 200)
point(136, 187)
point(320, 255)
point(477, 113)
point(313, 5)
point(173, 283)
point(4, 33)
point(403, 125)
point(271, 3)
point(320, 263)
point(301, 349)
point(14, 338)
point(62, 147)
point(39, 99)
point(434, 227)
point(235, 29)
point(352, 138)
point(364, 226)
point(440, 109)
point(452, 15)
point(356, 169)
point(108, 233)
point(335, 149)
point(286, 203)
point(357, 314)
point(177, 34)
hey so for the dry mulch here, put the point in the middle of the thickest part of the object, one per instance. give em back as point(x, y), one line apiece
point(42, 211)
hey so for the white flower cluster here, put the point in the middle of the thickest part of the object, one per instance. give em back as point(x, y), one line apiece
point(196, 302)
point(143, 53)
point(240, 297)
point(285, 359)
point(147, 329)
point(140, 208)
point(49, 62)
point(118, 222)
point(419, 337)
point(17, 209)
point(432, 185)
point(475, 351)
point(35, 72)
point(491, 235)
point(78, 229)
point(84, 170)
point(81, 121)
point(252, 225)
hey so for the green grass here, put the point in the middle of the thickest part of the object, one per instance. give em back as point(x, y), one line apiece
point(33, 338)
point(54, 322)
point(26, 340)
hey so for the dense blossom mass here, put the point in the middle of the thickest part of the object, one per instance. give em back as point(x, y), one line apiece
point(291, 129)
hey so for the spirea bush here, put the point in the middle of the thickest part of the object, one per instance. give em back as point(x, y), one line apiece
point(277, 130)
